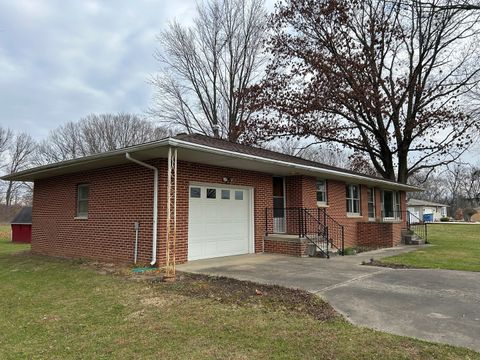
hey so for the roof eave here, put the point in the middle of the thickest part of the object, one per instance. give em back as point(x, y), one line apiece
point(320, 171)
point(84, 160)
point(29, 175)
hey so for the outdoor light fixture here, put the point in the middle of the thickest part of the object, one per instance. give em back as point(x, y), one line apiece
point(227, 180)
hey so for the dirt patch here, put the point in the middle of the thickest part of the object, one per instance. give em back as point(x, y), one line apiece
point(245, 293)
point(221, 289)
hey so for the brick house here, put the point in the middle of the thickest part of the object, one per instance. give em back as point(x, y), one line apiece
point(226, 199)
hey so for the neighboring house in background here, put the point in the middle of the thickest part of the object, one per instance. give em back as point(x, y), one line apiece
point(22, 226)
point(427, 210)
point(231, 199)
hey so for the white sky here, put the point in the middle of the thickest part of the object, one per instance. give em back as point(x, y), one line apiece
point(63, 59)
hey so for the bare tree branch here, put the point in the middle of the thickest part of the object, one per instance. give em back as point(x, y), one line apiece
point(94, 134)
point(207, 67)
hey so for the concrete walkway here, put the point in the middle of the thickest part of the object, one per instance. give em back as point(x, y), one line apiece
point(434, 305)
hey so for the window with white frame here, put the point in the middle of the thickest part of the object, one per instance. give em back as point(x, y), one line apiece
point(371, 203)
point(353, 199)
point(321, 191)
point(83, 192)
point(391, 204)
point(443, 211)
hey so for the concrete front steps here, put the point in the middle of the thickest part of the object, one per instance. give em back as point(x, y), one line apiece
point(313, 250)
point(410, 238)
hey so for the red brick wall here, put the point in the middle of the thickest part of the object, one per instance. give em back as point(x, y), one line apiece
point(297, 248)
point(122, 195)
point(337, 208)
point(301, 191)
point(378, 235)
point(119, 196)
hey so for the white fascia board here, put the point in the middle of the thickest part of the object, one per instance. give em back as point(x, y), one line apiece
point(85, 160)
point(209, 149)
point(320, 171)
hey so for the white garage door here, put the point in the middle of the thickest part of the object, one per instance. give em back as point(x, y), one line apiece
point(219, 222)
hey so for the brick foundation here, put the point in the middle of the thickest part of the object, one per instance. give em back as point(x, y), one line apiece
point(291, 246)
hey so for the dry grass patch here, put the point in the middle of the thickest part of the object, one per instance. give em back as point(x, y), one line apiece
point(58, 309)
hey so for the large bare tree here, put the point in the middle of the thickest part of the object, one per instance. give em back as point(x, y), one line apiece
point(20, 155)
point(206, 67)
point(388, 79)
point(96, 133)
point(5, 138)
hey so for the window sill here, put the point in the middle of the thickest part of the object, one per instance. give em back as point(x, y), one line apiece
point(322, 204)
point(354, 216)
point(395, 221)
point(80, 218)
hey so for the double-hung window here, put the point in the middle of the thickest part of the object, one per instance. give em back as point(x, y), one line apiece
point(321, 192)
point(83, 192)
point(391, 204)
point(371, 203)
point(353, 199)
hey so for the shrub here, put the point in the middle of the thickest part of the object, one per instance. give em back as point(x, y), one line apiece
point(445, 219)
point(349, 251)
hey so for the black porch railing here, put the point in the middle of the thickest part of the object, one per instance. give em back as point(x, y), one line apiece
point(413, 223)
point(315, 225)
point(417, 225)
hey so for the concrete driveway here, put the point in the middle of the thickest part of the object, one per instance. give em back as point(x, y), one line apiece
point(433, 305)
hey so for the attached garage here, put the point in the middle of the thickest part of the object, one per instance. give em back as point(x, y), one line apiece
point(220, 221)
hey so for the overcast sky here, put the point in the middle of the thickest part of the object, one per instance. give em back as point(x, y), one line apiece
point(63, 59)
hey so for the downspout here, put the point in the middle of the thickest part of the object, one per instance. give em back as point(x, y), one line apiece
point(155, 204)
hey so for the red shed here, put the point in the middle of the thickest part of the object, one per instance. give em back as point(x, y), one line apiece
point(22, 226)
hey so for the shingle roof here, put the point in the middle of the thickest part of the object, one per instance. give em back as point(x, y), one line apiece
point(416, 202)
point(264, 153)
point(24, 216)
point(203, 145)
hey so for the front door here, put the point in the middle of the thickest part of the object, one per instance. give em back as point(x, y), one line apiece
point(278, 205)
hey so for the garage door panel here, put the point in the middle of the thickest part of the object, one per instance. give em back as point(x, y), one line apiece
point(219, 227)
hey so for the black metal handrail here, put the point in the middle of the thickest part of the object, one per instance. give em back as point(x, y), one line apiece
point(417, 225)
point(315, 232)
point(413, 223)
point(315, 225)
point(336, 231)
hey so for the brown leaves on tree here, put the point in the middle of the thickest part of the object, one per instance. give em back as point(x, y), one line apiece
point(388, 79)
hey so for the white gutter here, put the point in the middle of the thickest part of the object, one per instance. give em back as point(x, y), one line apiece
point(85, 160)
point(195, 146)
point(155, 204)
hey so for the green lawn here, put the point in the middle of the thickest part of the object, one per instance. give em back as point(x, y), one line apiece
point(6, 246)
point(56, 309)
point(455, 247)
